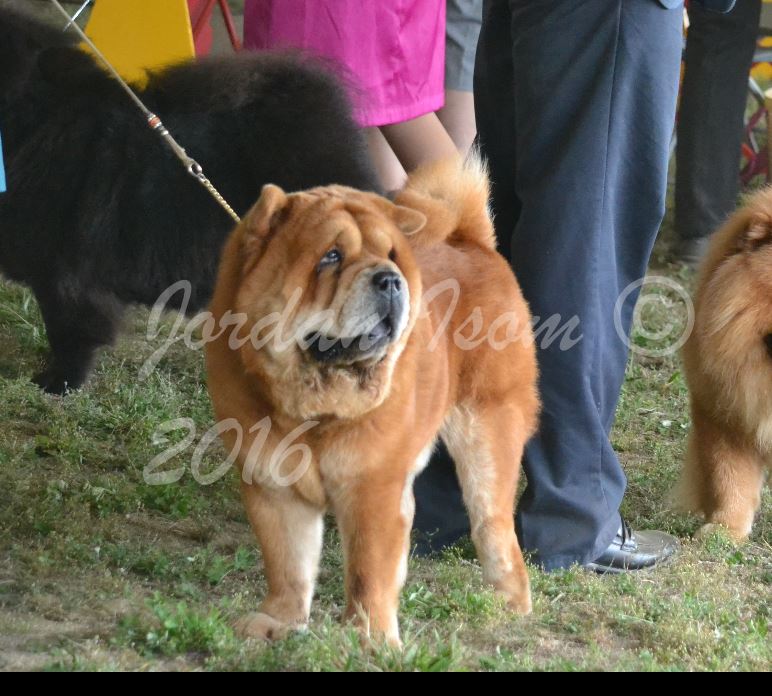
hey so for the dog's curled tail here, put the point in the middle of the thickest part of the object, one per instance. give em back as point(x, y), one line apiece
point(453, 194)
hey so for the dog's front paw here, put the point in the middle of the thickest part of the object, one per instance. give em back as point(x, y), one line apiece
point(515, 588)
point(264, 627)
point(52, 381)
point(519, 602)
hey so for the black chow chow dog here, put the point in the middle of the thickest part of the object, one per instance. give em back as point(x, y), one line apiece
point(99, 214)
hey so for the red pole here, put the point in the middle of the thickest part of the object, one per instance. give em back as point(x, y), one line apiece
point(230, 25)
point(203, 18)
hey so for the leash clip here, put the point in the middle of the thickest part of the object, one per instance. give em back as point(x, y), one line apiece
point(195, 169)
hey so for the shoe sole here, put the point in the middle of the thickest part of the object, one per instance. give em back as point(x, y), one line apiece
point(610, 570)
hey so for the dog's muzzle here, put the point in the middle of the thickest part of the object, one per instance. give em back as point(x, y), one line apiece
point(387, 306)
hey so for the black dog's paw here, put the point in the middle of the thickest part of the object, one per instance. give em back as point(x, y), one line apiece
point(53, 382)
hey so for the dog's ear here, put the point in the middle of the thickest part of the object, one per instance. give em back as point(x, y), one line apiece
point(260, 222)
point(409, 221)
point(758, 232)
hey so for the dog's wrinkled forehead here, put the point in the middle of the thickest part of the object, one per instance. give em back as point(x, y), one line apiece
point(357, 219)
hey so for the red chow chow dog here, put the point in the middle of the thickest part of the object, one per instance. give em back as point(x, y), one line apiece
point(728, 363)
point(403, 325)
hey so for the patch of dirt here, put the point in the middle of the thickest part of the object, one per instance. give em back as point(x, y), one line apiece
point(27, 639)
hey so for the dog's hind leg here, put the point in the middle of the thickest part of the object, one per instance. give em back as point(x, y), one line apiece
point(77, 327)
point(486, 443)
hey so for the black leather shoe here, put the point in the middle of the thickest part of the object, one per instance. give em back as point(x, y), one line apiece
point(634, 551)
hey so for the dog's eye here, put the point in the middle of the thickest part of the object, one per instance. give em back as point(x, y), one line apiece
point(768, 341)
point(331, 258)
point(392, 255)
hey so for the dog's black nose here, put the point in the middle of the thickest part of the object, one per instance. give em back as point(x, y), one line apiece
point(388, 282)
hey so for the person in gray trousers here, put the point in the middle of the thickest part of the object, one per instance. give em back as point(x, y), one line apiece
point(575, 103)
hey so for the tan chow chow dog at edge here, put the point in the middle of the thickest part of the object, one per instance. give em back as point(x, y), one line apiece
point(400, 322)
point(728, 365)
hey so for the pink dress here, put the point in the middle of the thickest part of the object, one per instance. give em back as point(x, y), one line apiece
point(393, 51)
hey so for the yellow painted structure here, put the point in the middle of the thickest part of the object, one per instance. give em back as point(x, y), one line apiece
point(138, 34)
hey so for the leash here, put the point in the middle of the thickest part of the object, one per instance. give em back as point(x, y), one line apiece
point(154, 122)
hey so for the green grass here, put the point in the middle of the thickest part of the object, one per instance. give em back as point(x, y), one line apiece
point(101, 571)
